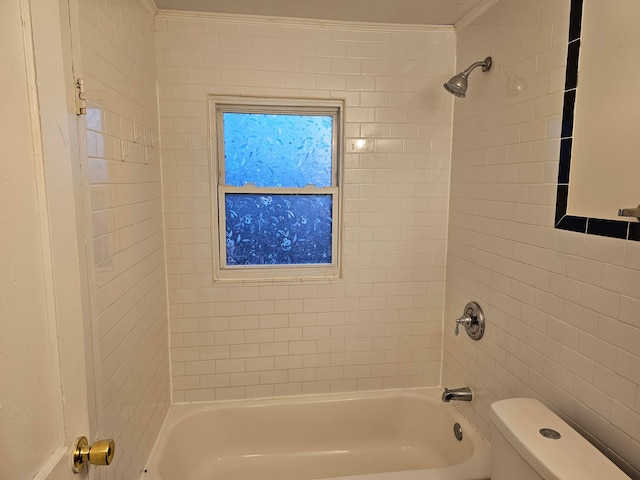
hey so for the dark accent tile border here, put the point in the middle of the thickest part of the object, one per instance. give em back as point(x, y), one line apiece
point(573, 224)
point(567, 113)
point(592, 226)
point(562, 195)
point(565, 161)
point(608, 228)
point(575, 22)
point(573, 54)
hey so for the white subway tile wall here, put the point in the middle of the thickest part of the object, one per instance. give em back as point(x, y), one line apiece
point(380, 325)
point(129, 287)
point(562, 308)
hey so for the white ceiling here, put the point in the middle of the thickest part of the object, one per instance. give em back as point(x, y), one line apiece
point(420, 12)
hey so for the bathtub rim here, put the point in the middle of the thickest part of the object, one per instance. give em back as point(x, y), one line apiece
point(479, 460)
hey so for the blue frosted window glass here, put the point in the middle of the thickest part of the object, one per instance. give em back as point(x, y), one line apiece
point(277, 150)
point(278, 229)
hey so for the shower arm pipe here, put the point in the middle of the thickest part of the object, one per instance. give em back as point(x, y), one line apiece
point(486, 65)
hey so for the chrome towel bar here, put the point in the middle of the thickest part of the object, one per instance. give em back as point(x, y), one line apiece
point(629, 212)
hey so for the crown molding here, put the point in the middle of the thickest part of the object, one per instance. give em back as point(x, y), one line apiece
point(186, 15)
point(150, 6)
point(474, 14)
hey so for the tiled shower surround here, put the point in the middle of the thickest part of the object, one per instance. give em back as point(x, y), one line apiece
point(380, 325)
point(561, 307)
point(127, 268)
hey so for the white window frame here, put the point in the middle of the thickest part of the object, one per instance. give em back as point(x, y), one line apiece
point(218, 105)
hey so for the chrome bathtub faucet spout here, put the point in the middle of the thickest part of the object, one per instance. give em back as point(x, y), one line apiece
point(464, 394)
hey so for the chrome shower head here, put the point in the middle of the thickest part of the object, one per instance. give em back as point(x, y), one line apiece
point(457, 85)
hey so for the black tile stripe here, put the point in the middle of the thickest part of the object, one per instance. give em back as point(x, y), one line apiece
point(565, 161)
point(575, 22)
point(608, 228)
point(562, 196)
point(567, 113)
point(573, 57)
point(573, 224)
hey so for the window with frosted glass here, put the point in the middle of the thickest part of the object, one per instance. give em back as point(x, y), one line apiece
point(277, 186)
point(278, 229)
point(277, 150)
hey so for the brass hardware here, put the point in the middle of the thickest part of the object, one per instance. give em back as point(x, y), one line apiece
point(81, 97)
point(100, 453)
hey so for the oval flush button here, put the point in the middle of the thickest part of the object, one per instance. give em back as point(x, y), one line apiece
point(550, 433)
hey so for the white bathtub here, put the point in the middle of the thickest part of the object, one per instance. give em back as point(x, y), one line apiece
point(384, 435)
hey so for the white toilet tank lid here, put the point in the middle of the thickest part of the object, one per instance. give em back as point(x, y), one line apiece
point(569, 457)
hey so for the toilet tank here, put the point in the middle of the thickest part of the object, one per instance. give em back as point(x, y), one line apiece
point(520, 451)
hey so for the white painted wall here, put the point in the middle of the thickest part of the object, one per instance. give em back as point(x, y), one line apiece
point(562, 308)
point(379, 326)
point(30, 410)
point(45, 402)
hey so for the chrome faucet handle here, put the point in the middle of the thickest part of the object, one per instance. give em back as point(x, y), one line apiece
point(472, 320)
point(465, 320)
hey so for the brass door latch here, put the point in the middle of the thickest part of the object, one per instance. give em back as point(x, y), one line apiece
point(99, 453)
